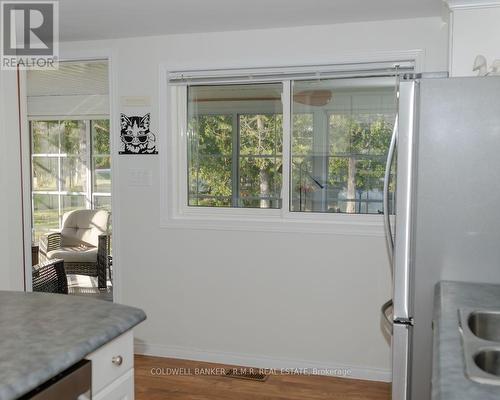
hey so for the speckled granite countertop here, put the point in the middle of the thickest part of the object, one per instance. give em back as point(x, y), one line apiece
point(43, 334)
point(448, 373)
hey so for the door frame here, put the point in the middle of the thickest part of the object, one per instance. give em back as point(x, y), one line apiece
point(74, 55)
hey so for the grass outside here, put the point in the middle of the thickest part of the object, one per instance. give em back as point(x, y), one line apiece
point(45, 221)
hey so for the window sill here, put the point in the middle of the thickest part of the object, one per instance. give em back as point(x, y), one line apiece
point(258, 220)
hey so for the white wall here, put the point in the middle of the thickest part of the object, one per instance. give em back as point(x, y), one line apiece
point(254, 298)
point(11, 261)
point(474, 31)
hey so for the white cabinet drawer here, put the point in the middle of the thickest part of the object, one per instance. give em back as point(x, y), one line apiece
point(112, 360)
point(121, 389)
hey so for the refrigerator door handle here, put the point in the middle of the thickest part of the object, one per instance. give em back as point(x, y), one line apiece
point(387, 315)
point(387, 178)
point(402, 259)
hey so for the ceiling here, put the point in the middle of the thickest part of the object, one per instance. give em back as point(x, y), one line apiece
point(106, 19)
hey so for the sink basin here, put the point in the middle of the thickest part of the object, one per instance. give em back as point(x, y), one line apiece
point(480, 331)
point(488, 361)
point(485, 325)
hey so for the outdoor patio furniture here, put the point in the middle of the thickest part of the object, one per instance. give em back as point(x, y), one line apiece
point(83, 244)
point(34, 254)
point(50, 276)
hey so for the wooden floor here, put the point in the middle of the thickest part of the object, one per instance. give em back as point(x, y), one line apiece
point(162, 383)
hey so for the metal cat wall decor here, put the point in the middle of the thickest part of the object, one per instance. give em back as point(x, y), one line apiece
point(136, 138)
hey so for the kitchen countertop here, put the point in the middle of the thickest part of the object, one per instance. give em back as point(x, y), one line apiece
point(448, 371)
point(43, 334)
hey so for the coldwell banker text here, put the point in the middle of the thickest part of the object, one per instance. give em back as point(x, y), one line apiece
point(242, 371)
point(30, 34)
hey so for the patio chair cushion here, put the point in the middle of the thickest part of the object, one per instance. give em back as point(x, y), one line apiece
point(83, 227)
point(75, 254)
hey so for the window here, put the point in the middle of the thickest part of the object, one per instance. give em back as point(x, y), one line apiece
point(340, 133)
point(235, 141)
point(340, 137)
point(71, 169)
point(101, 165)
point(288, 149)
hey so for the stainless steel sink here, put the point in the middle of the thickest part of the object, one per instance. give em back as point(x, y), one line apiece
point(480, 331)
point(488, 360)
point(485, 325)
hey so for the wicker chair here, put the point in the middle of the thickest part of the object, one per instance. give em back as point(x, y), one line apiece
point(83, 244)
point(49, 276)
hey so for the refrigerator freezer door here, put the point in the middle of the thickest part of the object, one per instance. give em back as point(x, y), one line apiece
point(401, 361)
point(406, 167)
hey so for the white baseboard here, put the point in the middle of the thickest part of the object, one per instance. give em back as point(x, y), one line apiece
point(247, 360)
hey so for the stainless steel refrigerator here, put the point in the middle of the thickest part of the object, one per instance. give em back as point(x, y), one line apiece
point(447, 214)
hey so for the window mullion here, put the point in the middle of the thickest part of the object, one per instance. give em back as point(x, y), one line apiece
point(286, 151)
point(235, 161)
point(181, 167)
point(59, 174)
point(89, 201)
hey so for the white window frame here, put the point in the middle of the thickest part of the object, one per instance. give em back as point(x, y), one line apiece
point(235, 112)
point(89, 159)
point(174, 209)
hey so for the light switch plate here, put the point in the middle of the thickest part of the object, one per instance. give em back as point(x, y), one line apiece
point(140, 177)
